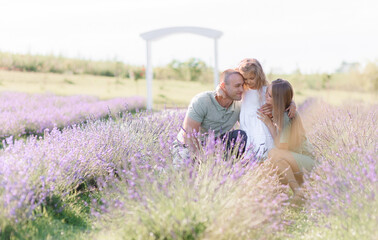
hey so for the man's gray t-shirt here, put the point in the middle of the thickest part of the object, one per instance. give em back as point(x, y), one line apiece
point(204, 108)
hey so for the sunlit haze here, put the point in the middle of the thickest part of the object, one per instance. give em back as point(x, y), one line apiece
point(313, 36)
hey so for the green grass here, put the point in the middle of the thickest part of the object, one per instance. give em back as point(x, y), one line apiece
point(359, 226)
point(57, 219)
point(166, 93)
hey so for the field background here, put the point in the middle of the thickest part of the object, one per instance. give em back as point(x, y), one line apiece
point(166, 93)
point(111, 163)
point(174, 85)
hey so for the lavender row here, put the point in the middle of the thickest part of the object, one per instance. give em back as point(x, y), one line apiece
point(342, 192)
point(131, 162)
point(58, 162)
point(216, 196)
point(22, 113)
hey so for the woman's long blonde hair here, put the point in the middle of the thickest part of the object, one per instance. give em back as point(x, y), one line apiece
point(282, 94)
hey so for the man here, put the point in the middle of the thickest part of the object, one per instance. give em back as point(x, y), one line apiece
point(216, 111)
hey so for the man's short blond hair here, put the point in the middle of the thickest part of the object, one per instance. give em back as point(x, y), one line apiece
point(225, 79)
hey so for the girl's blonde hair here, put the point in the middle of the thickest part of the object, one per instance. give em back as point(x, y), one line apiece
point(251, 65)
point(282, 94)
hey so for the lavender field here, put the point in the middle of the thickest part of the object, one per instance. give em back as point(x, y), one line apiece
point(115, 179)
point(23, 114)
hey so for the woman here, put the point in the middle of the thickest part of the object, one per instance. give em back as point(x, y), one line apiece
point(292, 155)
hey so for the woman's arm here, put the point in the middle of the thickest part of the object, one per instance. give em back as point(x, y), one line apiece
point(268, 122)
point(266, 109)
point(292, 109)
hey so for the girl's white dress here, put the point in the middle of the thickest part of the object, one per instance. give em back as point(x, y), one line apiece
point(260, 140)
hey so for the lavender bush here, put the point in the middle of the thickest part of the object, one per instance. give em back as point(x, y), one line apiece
point(22, 113)
point(58, 163)
point(209, 199)
point(342, 192)
point(133, 155)
point(128, 162)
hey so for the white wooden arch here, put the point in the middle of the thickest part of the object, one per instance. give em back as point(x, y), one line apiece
point(163, 32)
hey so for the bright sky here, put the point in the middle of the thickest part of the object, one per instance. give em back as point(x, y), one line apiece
point(314, 36)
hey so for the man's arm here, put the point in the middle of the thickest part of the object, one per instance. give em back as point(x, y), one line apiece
point(191, 127)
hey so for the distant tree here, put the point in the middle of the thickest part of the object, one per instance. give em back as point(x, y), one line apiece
point(177, 67)
point(195, 67)
point(346, 67)
point(139, 73)
point(191, 69)
point(370, 75)
point(326, 78)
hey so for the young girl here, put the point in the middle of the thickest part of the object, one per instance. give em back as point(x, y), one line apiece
point(293, 153)
point(259, 139)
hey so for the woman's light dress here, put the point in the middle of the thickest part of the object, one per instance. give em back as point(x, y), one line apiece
point(260, 140)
